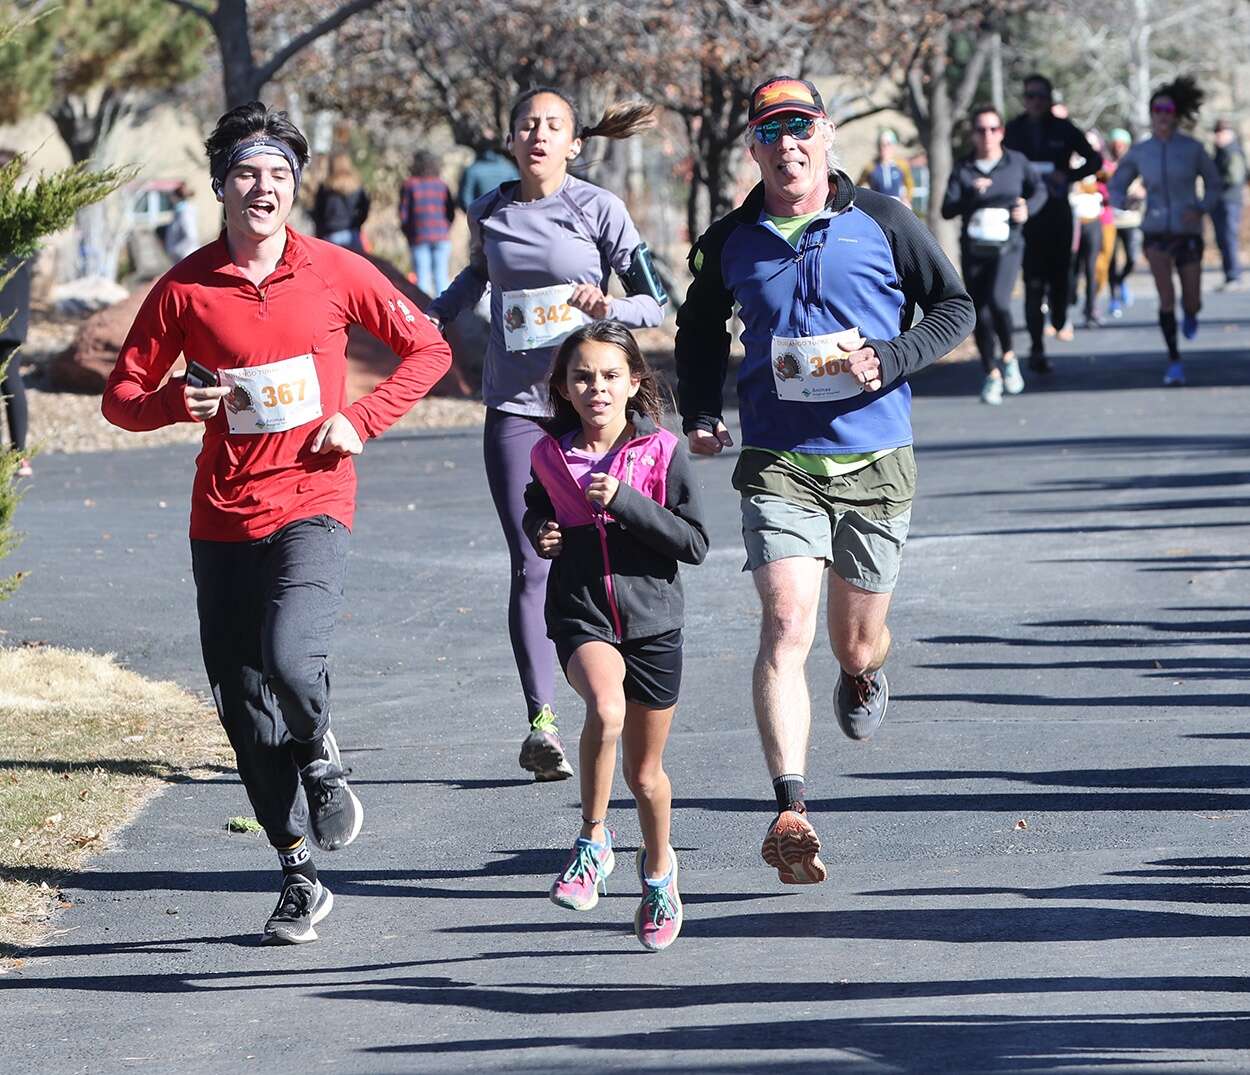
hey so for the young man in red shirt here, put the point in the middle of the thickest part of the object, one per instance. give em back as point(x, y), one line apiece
point(264, 311)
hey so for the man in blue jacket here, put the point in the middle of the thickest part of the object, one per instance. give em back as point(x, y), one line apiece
point(827, 278)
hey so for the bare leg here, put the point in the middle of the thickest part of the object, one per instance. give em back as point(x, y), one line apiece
point(857, 629)
point(789, 592)
point(597, 672)
point(642, 745)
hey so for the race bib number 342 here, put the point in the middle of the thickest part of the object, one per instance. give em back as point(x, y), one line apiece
point(539, 317)
point(812, 369)
point(272, 398)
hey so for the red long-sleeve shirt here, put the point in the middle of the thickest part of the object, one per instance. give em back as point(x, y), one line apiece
point(247, 486)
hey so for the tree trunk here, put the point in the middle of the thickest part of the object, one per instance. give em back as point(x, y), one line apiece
point(940, 128)
point(238, 62)
point(1139, 67)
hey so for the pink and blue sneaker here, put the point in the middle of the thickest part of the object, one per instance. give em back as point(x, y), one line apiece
point(657, 922)
point(585, 876)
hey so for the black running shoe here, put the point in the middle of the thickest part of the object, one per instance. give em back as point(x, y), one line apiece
point(859, 703)
point(334, 813)
point(301, 905)
point(1039, 363)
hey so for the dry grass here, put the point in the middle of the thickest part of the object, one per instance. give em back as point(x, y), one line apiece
point(85, 744)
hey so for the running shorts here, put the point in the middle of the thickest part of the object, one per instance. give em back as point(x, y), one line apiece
point(1183, 249)
point(652, 665)
point(857, 523)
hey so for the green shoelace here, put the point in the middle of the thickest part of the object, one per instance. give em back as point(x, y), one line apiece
point(545, 721)
point(660, 904)
point(585, 865)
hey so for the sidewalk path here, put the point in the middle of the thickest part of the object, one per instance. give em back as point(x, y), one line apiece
point(1073, 650)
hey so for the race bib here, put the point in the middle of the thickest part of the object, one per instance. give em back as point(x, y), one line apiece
point(990, 226)
point(1043, 167)
point(1085, 205)
point(539, 317)
point(272, 398)
point(812, 369)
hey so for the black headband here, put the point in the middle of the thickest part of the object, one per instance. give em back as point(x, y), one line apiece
point(247, 148)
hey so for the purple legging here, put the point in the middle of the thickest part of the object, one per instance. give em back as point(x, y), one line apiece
point(506, 444)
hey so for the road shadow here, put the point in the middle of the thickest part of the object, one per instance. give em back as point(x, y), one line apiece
point(967, 1044)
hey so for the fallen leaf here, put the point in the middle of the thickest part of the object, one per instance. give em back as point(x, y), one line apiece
point(1021, 824)
point(243, 824)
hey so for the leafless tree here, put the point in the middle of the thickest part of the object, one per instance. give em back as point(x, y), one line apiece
point(243, 75)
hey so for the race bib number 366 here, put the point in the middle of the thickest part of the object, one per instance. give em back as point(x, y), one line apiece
point(539, 317)
point(272, 398)
point(812, 369)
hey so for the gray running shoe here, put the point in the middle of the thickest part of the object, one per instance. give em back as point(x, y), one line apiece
point(542, 752)
point(992, 391)
point(301, 905)
point(859, 703)
point(334, 813)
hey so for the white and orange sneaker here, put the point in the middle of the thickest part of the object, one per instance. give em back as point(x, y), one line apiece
point(792, 848)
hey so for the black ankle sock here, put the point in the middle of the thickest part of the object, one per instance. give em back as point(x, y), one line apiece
point(1167, 325)
point(298, 860)
point(307, 753)
point(789, 789)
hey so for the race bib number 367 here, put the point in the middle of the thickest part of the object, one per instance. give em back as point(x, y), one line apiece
point(812, 369)
point(539, 317)
point(272, 398)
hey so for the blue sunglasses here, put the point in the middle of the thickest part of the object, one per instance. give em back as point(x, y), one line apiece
point(800, 127)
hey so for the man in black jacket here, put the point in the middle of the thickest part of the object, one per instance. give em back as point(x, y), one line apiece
point(1051, 144)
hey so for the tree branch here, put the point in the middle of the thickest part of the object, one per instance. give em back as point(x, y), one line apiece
point(972, 73)
point(186, 5)
point(333, 21)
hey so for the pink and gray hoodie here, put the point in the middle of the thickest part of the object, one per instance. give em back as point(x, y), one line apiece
point(616, 577)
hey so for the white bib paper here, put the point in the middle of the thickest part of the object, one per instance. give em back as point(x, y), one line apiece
point(272, 398)
point(539, 317)
point(1087, 206)
point(990, 226)
point(812, 369)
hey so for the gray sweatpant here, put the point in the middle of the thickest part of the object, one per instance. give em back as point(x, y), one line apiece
point(267, 610)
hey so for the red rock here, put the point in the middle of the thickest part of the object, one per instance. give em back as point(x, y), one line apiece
point(86, 364)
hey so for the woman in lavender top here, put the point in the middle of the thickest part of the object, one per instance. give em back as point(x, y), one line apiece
point(546, 244)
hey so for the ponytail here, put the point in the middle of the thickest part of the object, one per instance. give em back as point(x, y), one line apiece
point(619, 120)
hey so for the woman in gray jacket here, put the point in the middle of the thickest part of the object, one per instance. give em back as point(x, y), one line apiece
point(1170, 164)
point(546, 243)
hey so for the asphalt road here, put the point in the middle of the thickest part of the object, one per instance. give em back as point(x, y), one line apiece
point(1071, 653)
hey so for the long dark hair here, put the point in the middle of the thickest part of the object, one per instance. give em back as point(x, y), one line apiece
point(619, 120)
point(649, 399)
point(1185, 93)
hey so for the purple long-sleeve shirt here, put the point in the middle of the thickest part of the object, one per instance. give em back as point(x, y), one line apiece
point(578, 235)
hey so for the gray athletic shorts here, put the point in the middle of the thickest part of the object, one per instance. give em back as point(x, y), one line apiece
point(857, 523)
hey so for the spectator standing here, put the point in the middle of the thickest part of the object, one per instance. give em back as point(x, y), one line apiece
point(426, 210)
point(887, 175)
point(182, 237)
point(1230, 162)
point(15, 309)
point(341, 205)
point(489, 169)
point(1128, 240)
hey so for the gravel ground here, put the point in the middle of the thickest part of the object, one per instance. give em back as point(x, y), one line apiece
point(68, 422)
